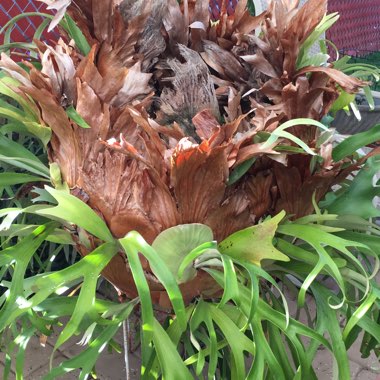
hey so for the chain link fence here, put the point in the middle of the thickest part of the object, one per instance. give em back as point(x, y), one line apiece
point(25, 28)
point(216, 6)
point(358, 30)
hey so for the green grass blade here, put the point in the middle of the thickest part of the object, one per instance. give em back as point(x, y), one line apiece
point(73, 210)
point(16, 155)
point(136, 243)
point(202, 315)
point(10, 179)
point(22, 341)
point(20, 254)
point(87, 359)
point(129, 245)
point(359, 313)
point(171, 363)
point(231, 290)
point(76, 34)
point(332, 325)
point(74, 116)
point(352, 143)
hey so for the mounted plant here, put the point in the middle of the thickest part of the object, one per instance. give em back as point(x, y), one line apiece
point(186, 162)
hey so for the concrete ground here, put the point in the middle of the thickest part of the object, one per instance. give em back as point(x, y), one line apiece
point(112, 366)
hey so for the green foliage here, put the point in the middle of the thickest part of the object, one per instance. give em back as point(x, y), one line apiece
point(251, 7)
point(66, 23)
point(78, 119)
point(362, 70)
point(281, 132)
point(243, 324)
point(174, 244)
point(25, 117)
point(255, 243)
point(76, 34)
point(304, 57)
point(357, 197)
point(353, 143)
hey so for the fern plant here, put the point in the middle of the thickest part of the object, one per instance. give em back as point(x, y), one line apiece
point(187, 163)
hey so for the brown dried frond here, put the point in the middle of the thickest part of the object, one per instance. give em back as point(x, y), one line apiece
point(192, 90)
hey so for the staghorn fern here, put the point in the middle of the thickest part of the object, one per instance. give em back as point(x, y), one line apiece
point(225, 293)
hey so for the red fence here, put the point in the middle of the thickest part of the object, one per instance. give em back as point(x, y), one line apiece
point(358, 29)
point(25, 27)
point(215, 6)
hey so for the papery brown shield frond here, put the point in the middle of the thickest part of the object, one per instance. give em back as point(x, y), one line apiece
point(273, 90)
point(151, 146)
point(110, 80)
point(59, 67)
point(128, 194)
point(135, 85)
point(309, 92)
point(101, 23)
point(81, 13)
point(258, 189)
point(310, 97)
point(97, 116)
point(111, 68)
point(95, 18)
point(244, 22)
point(250, 151)
point(102, 13)
point(349, 84)
point(225, 63)
point(205, 124)
point(298, 29)
point(14, 70)
point(262, 64)
point(265, 119)
point(297, 188)
point(199, 177)
point(150, 14)
point(227, 134)
point(64, 141)
point(295, 99)
point(231, 215)
point(300, 21)
point(144, 204)
point(284, 31)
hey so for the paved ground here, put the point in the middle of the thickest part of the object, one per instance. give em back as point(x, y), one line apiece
point(112, 367)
